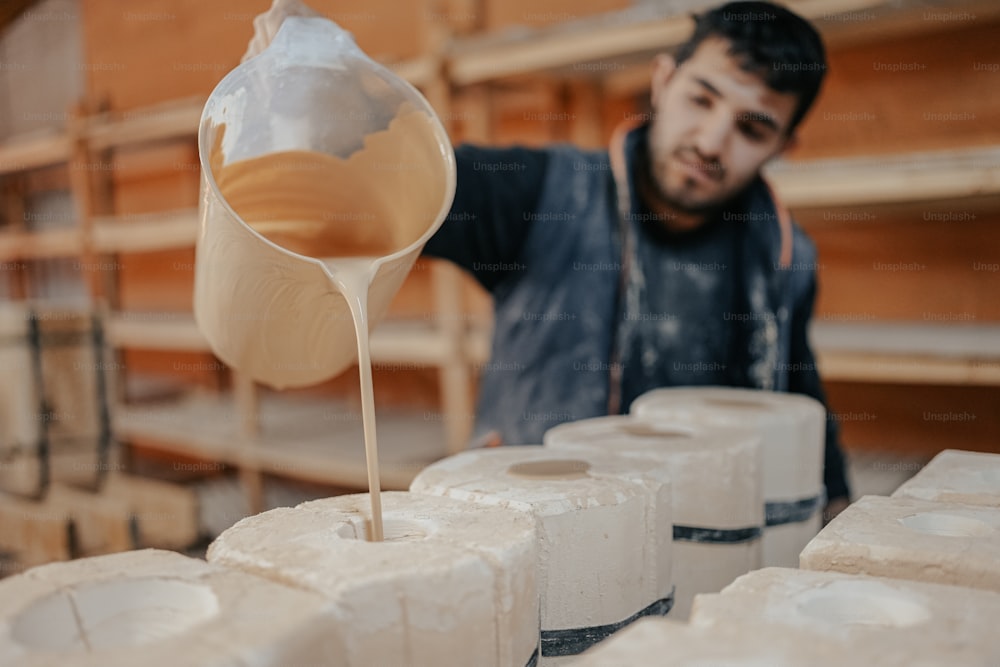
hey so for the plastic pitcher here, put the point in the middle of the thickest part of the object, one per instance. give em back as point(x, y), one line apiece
point(310, 136)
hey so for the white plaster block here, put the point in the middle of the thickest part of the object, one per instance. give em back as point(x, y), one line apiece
point(154, 608)
point(793, 431)
point(657, 642)
point(718, 508)
point(955, 476)
point(604, 528)
point(945, 625)
point(906, 538)
point(452, 583)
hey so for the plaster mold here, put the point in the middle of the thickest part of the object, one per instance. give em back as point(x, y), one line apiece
point(658, 642)
point(955, 476)
point(942, 625)
point(452, 583)
point(604, 549)
point(718, 508)
point(905, 538)
point(156, 608)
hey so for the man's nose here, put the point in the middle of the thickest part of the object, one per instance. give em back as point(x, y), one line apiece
point(712, 135)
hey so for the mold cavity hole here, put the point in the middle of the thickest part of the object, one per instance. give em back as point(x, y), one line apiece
point(946, 525)
point(651, 428)
point(393, 529)
point(738, 404)
point(862, 603)
point(558, 469)
point(114, 614)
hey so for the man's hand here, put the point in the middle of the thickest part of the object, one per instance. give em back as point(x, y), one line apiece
point(266, 25)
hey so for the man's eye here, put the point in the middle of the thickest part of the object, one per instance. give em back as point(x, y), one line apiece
point(751, 132)
point(701, 101)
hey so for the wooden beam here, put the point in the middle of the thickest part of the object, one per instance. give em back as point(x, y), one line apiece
point(172, 120)
point(300, 438)
point(454, 372)
point(145, 233)
point(484, 59)
point(908, 353)
point(38, 149)
point(893, 179)
point(418, 72)
point(39, 245)
point(155, 331)
point(584, 47)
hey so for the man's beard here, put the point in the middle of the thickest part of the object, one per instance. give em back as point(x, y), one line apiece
point(654, 187)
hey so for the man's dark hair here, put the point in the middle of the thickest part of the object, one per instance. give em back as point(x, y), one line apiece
point(781, 47)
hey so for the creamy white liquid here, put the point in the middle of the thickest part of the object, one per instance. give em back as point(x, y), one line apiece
point(352, 275)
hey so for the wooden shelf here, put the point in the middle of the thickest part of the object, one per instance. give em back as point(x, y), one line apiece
point(607, 46)
point(38, 149)
point(145, 233)
point(908, 353)
point(173, 120)
point(391, 342)
point(52, 243)
point(155, 331)
point(418, 72)
point(300, 438)
point(891, 179)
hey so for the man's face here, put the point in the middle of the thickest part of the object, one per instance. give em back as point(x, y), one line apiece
point(714, 126)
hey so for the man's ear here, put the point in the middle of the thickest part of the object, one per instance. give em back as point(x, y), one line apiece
point(664, 67)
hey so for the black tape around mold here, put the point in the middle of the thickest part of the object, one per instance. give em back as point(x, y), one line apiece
point(792, 511)
point(717, 535)
point(557, 643)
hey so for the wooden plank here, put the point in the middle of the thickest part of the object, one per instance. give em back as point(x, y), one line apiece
point(311, 439)
point(455, 375)
point(477, 60)
point(924, 176)
point(40, 245)
point(39, 149)
point(908, 353)
point(84, 180)
point(419, 72)
point(166, 514)
point(505, 14)
point(171, 120)
point(624, 35)
point(849, 366)
point(417, 343)
point(160, 331)
point(101, 526)
point(145, 233)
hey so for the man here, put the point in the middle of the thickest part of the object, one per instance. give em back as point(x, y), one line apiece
point(665, 261)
